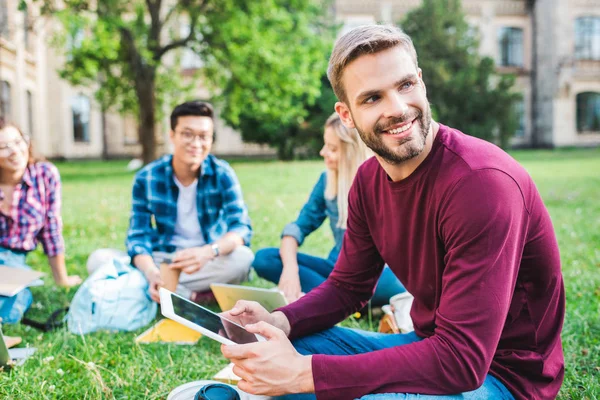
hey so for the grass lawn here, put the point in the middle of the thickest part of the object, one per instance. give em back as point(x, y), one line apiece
point(96, 202)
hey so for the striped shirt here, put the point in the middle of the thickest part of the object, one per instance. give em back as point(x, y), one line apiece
point(221, 207)
point(35, 212)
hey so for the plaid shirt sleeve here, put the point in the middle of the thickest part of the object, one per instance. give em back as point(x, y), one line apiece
point(235, 210)
point(140, 230)
point(51, 233)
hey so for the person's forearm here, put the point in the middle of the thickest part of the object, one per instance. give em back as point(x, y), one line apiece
point(59, 269)
point(144, 263)
point(228, 243)
point(289, 254)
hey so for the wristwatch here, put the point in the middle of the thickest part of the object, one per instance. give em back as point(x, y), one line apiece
point(215, 249)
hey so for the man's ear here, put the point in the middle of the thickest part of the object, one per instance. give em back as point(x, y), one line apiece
point(345, 115)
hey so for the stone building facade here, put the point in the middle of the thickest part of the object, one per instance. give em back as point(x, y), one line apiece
point(552, 46)
point(65, 121)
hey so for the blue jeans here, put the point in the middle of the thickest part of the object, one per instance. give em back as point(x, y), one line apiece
point(314, 270)
point(345, 341)
point(13, 308)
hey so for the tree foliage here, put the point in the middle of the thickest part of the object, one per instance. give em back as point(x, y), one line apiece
point(258, 56)
point(297, 137)
point(464, 89)
point(279, 110)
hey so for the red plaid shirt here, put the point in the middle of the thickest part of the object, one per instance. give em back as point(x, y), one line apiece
point(35, 212)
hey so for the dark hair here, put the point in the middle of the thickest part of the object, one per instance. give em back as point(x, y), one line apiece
point(196, 108)
point(32, 158)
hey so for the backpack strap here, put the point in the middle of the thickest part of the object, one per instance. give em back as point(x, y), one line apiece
point(56, 320)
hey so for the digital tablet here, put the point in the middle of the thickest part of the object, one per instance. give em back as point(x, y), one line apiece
point(203, 320)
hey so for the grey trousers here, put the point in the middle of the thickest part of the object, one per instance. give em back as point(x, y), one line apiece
point(230, 268)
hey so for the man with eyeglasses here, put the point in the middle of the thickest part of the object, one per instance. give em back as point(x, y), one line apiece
point(189, 205)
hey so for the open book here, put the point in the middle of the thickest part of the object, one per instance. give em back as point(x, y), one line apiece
point(13, 280)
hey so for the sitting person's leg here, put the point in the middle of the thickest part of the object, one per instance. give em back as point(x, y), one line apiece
point(387, 286)
point(267, 264)
point(345, 341)
point(13, 308)
point(231, 268)
point(312, 270)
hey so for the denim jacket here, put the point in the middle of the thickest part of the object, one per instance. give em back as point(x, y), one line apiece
point(312, 215)
point(220, 204)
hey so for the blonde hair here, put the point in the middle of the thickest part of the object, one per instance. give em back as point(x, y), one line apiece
point(365, 39)
point(353, 152)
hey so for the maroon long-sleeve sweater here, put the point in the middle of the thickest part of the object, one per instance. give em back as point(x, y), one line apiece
point(469, 236)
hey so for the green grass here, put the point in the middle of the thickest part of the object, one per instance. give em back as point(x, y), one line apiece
point(95, 212)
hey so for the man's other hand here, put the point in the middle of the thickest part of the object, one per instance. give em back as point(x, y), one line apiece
point(193, 259)
point(271, 368)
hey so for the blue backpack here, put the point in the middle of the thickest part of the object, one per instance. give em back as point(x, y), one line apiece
point(115, 297)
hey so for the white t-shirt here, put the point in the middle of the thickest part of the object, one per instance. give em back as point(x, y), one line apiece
point(187, 227)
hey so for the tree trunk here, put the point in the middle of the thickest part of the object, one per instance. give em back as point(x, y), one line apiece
point(104, 135)
point(145, 89)
point(285, 150)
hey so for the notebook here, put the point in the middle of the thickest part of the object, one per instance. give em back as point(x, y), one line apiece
point(227, 295)
point(226, 375)
point(169, 331)
point(13, 280)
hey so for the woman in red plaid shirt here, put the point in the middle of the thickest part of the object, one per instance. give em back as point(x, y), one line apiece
point(29, 213)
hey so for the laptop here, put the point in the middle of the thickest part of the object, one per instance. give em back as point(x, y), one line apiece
point(12, 357)
point(227, 295)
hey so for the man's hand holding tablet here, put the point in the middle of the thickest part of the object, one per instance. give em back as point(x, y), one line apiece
point(271, 368)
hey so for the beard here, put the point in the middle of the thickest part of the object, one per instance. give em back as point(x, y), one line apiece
point(407, 148)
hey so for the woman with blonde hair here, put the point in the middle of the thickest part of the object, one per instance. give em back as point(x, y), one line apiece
point(297, 273)
point(29, 213)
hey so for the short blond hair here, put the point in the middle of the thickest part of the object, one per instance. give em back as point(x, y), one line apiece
point(365, 39)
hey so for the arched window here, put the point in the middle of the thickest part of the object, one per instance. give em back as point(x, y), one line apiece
point(587, 38)
point(588, 112)
point(81, 109)
point(510, 43)
point(5, 100)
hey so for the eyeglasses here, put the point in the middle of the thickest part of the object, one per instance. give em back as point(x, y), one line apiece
point(190, 137)
point(8, 147)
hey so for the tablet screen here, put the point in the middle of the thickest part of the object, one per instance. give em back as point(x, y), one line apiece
point(211, 321)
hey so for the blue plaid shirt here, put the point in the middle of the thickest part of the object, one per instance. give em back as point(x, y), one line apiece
point(220, 204)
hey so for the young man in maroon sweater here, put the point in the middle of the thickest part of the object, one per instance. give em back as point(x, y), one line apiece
point(463, 227)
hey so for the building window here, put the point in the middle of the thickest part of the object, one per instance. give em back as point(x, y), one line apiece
point(4, 18)
point(587, 38)
point(5, 100)
point(510, 41)
point(520, 115)
point(30, 113)
point(588, 112)
point(81, 108)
